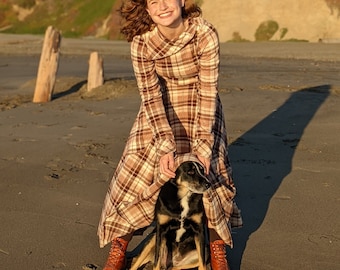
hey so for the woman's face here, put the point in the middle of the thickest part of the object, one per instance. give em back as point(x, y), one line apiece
point(165, 13)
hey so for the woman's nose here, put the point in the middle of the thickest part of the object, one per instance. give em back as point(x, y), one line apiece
point(163, 4)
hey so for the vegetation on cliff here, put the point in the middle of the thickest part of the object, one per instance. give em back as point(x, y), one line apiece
point(74, 18)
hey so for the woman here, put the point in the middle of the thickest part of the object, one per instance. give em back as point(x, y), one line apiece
point(175, 56)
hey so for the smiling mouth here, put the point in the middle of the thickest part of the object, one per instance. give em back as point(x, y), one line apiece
point(164, 15)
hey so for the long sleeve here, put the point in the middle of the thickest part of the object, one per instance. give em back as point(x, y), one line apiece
point(150, 92)
point(208, 49)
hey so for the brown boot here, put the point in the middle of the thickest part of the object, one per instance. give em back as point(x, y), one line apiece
point(218, 258)
point(116, 259)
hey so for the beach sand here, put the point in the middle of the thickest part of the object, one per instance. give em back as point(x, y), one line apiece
point(282, 108)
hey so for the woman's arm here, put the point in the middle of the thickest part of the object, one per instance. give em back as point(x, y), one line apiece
point(208, 49)
point(150, 92)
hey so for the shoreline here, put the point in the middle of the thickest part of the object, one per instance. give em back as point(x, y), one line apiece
point(11, 44)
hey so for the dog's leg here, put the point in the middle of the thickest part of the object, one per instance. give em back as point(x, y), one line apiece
point(161, 262)
point(146, 255)
point(160, 246)
point(156, 261)
point(160, 249)
point(199, 241)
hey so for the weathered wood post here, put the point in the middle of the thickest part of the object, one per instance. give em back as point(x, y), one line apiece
point(95, 76)
point(48, 66)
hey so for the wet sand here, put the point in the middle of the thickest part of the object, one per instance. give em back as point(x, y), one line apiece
point(282, 108)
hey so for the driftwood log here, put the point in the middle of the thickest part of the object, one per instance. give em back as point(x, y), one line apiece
point(95, 75)
point(48, 66)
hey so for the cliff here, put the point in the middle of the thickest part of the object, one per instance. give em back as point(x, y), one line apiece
point(311, 20)
point(235, 20)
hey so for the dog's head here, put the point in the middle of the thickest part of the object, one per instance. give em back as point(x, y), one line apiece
point(190, 174)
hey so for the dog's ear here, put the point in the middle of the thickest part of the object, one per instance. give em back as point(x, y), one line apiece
point(194, 168)
point(198, 167)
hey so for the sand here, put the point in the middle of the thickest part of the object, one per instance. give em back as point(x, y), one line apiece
point(282, 107)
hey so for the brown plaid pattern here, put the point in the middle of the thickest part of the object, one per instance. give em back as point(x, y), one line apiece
point(180, 112)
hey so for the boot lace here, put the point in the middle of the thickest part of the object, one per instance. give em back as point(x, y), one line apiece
point(219, 252)
point(117, 252)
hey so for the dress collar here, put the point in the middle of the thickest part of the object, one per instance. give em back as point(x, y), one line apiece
point(160, 47)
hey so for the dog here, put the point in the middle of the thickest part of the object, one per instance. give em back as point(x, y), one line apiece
point(178, 239)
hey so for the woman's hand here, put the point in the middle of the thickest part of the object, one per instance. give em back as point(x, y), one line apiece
point(167, 165)
point(205, 162)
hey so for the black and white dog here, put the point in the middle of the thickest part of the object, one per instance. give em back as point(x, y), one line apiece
point(178, 242)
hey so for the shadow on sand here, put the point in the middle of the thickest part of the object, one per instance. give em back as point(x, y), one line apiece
point(73, 89)
point(262, 158)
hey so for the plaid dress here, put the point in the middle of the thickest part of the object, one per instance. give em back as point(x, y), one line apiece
point(180, 112)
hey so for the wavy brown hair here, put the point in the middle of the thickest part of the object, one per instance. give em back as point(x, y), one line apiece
point(136, 20)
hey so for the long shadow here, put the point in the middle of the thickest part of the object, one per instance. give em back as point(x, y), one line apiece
point(262, 157)
point(74, 88)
